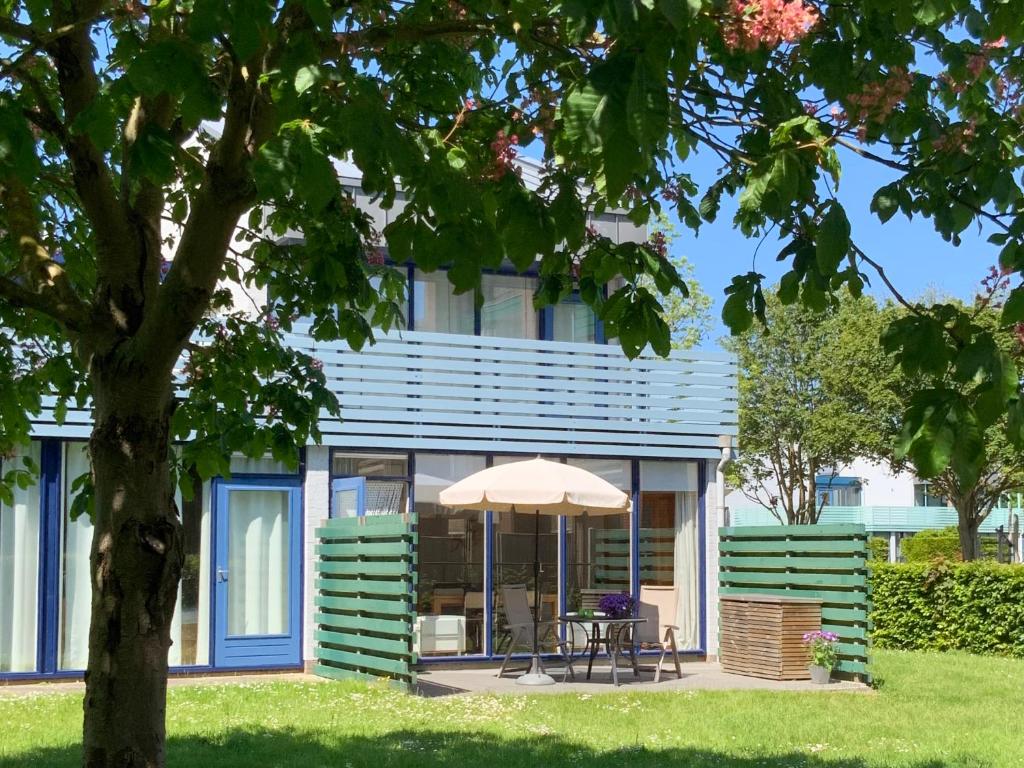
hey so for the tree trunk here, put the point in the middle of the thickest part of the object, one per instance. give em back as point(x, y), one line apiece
point(968, 529)
point(136, 563)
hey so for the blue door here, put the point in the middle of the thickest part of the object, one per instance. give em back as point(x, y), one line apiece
point(348, 497)
point(257, 570)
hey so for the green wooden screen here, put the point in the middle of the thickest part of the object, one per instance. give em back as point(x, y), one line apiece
point(827, 562)
point(366, 598)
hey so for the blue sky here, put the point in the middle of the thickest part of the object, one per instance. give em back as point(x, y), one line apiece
point(914, 256)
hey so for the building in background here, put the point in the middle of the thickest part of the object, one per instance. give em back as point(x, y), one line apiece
point(889, 504)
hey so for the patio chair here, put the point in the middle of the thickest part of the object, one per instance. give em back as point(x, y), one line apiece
point(658, 606)
point(519, 624)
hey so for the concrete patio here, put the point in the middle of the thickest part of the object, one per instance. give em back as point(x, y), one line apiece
point(696, 676)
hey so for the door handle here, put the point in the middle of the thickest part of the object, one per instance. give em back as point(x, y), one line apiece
point(222, 575)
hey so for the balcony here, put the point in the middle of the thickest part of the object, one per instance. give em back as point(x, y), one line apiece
point(431, 391)
point(447, 392)
point(882, 519)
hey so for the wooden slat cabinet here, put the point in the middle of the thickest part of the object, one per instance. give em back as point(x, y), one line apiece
point(762, 635)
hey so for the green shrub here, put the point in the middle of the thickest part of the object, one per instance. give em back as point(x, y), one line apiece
point(976, 607)
point(932, 544)
point(878, 549)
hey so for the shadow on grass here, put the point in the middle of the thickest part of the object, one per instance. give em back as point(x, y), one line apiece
point(326, 748)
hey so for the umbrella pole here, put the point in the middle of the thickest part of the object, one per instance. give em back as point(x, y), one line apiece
point(536, 675)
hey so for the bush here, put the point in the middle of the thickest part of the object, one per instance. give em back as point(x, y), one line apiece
point(976, 607)
point(933, 544)
point(878, 549)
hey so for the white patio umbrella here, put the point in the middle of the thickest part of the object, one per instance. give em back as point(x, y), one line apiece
point(546, 488)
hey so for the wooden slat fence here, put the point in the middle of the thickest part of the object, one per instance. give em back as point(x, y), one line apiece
point(826, 562)
point(366, 598)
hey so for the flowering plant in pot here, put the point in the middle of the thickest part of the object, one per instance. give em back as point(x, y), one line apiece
point(616, 606)
point(824, 654)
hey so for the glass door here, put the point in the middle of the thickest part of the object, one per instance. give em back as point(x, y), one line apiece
point(257, 572)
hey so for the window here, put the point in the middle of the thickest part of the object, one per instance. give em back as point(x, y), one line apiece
point(925, 496)
point(451, 560)
point(507, 308)
point(76, 540)
point(19, 570)
point(838, 491)
point(370, 465)
point(190, 627)
point(191, 622)
point(669, 541)
point(573, 321)
point(438, 309)
point(597, 547)
point(265, 465)
point(387, 484)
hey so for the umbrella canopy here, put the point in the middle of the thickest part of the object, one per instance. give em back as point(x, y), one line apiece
point(537, 485)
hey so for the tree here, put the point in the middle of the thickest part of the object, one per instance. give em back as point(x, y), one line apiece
point(133, 130)
point(688, 315)
point(996, 464)
point(815, 393)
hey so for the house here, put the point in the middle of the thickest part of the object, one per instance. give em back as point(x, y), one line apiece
point(890, 504)
point(461, 388)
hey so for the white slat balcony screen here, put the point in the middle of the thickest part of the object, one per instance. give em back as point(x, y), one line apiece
point(446, 392)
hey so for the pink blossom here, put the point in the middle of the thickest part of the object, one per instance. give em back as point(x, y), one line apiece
point(976, 65)
point(505, 152)
point(877, 100)
point(753, 23)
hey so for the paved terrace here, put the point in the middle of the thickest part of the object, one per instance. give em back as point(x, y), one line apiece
point(465, 681)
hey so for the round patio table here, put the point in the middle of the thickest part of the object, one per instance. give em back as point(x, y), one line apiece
point(614, 631)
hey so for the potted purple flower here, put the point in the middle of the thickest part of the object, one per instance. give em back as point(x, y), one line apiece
point(616, 606)
point(824, 654)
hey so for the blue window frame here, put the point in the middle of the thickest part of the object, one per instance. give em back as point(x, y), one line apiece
point(348, 497)
point(838, 491)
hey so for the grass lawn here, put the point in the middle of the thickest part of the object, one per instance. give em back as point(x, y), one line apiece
point(931, 711)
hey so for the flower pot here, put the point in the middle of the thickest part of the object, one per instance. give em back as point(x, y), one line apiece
point(820, 675)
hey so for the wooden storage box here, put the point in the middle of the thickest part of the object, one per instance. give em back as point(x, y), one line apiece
point(762, 635)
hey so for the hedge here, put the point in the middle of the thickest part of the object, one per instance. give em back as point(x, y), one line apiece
point(925, 546)
point(976, 607)
point(878, 548)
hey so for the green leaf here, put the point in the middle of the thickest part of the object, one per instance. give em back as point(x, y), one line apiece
point(306, 78)
point(885, 202)
point(833, 239)
point(1013, 309)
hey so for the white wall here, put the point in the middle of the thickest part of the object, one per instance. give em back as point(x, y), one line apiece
point(713, 519)
point(317, 508)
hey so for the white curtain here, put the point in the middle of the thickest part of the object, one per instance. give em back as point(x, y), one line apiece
point(258, 562)
point(75, 585)
point(198, 615)
point(385, 497)
point(19, 571)
point(203, 619)
point(687, 571)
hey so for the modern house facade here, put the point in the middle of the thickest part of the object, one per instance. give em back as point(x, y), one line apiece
point(887, 503)
point(460, 389)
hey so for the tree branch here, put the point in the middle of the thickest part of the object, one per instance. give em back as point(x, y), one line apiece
point(404, 32)
point(73, 54)
point(44, 285)
point(12, 28)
